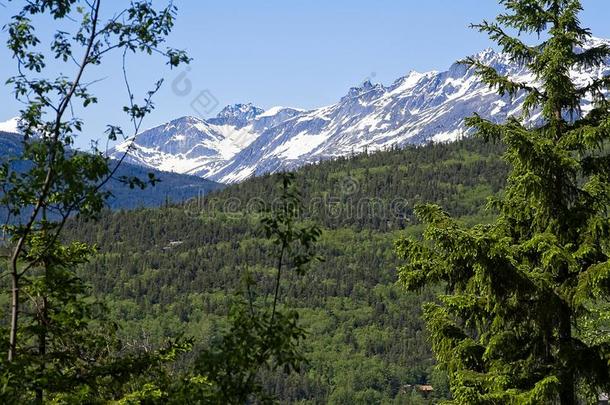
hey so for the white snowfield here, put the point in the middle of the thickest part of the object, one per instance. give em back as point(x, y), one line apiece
point(244, 141)
point(10, 125)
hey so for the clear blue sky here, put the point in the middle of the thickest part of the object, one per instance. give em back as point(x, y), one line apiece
point(292, 53)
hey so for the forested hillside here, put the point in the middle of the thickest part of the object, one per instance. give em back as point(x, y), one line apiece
point(173, 270)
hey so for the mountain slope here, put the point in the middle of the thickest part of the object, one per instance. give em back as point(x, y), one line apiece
point(201, 147)
point(244, 141)
point(173, 186)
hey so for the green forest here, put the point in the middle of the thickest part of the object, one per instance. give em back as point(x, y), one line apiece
point(366, 340)
point(470, 272)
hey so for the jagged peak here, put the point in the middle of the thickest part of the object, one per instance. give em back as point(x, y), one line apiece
point(491, 53)
point(240, 111)
point(367, 84)
point(486, 54)
point(364, 88)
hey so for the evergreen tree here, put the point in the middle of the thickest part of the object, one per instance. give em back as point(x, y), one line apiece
point(523, 293)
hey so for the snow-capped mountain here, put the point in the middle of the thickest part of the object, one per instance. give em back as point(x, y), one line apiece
point(191, 145)
point(244, 141)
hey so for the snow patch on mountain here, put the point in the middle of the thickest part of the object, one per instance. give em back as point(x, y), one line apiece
point(11, 125)
point(273, 111)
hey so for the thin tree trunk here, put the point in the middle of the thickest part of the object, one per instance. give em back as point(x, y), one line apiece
point(42, 346)
point(567, 395)
point(14, 315)
point(277, 281)
point(42, 313)
point(46, 185)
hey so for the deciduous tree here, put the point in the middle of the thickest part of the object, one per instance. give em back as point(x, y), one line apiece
point(52, 348)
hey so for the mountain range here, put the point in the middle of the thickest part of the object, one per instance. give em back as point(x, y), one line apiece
point(244, 140)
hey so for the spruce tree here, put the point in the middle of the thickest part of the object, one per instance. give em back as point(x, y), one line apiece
point(524, 294)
